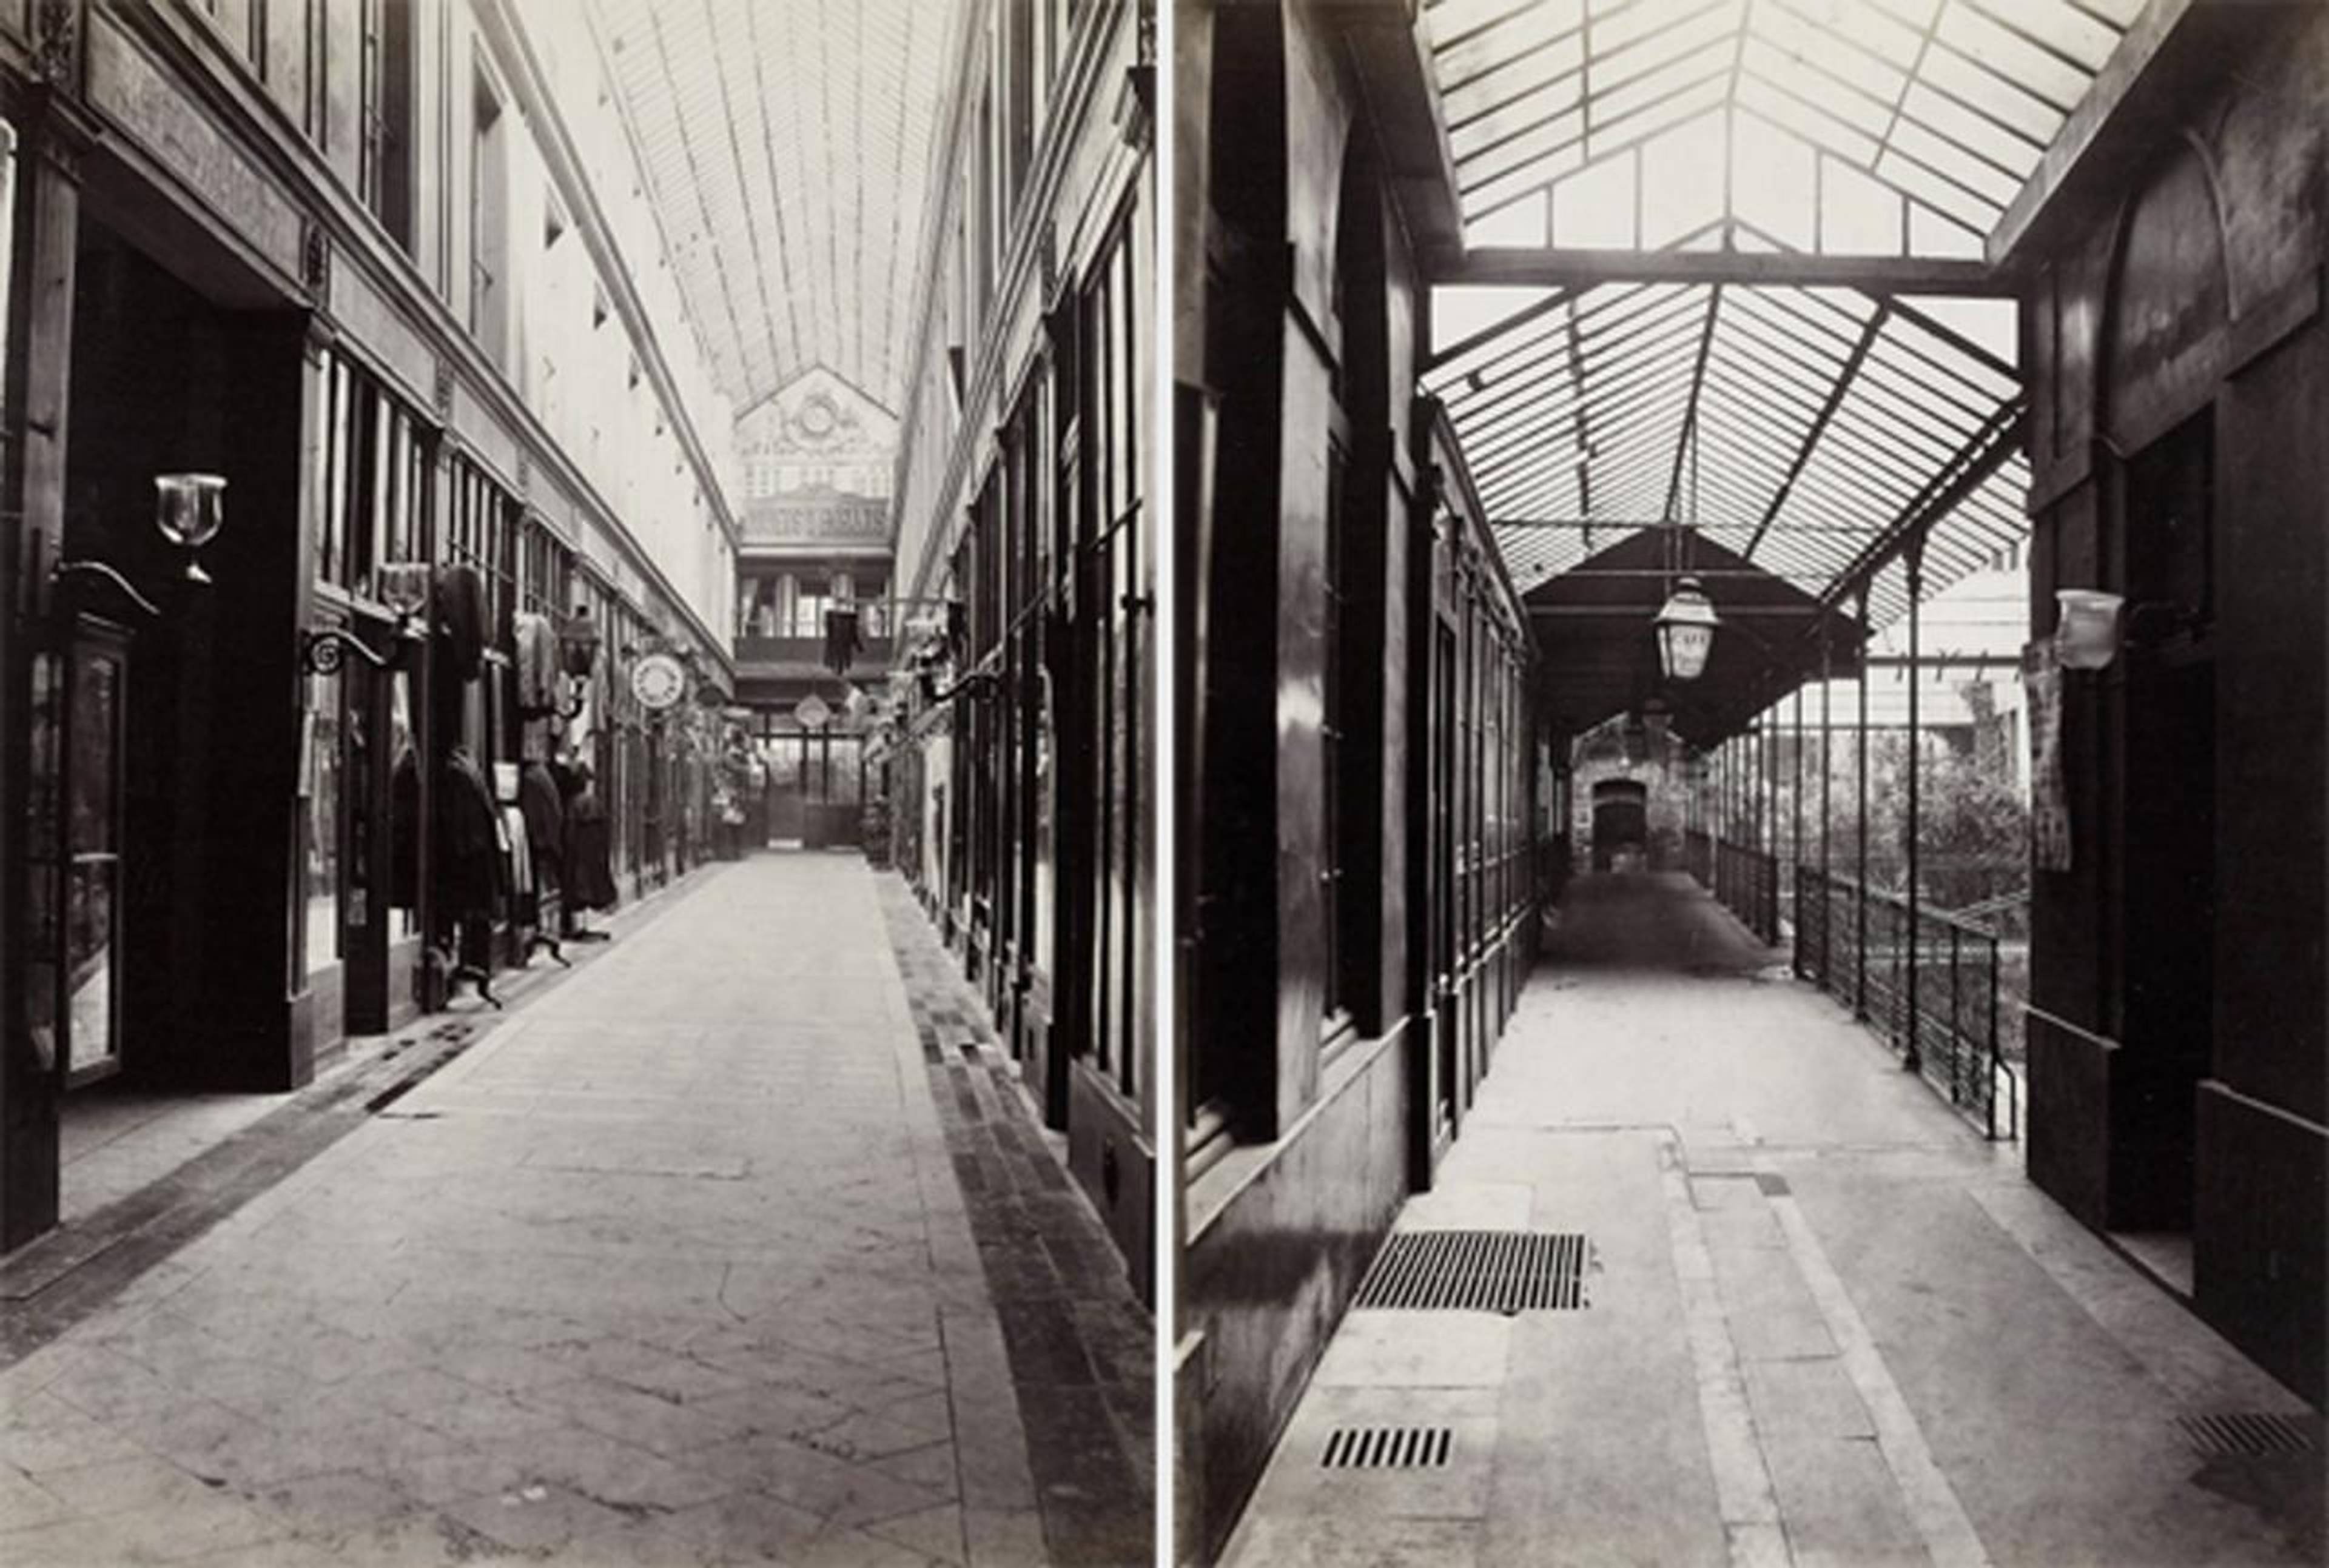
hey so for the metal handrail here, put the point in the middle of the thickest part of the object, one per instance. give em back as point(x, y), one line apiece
point(1956, 1042)
point(1743, 880)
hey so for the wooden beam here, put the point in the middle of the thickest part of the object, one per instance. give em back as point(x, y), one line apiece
point(2126, 109)
point(1545, 266)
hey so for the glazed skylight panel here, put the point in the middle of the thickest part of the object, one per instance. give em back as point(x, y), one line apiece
point(786, 142)
point(1946, 104)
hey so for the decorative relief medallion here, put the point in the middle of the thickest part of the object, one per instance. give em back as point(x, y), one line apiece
point(315, 258)
point(54, 26)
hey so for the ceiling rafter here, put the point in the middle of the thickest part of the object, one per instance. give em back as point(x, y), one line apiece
point(1820, 421)
point(786, 147)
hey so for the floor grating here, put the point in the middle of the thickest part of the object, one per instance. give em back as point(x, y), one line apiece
point(2251, 1435)
point(1479, 1271)
point(1388, 1448)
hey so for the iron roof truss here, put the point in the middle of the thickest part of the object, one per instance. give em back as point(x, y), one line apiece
point(1735, 252)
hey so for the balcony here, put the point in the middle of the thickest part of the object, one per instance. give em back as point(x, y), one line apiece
point(802, 658)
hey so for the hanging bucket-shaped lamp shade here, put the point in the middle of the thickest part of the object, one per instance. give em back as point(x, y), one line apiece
point(2087, 636)
point(1686, 631)
point(188, 509)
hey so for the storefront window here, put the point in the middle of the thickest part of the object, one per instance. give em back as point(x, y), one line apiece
point(320, 778)
point(45, 874)
point(93, 881)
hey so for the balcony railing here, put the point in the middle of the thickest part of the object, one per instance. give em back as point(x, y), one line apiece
point(1744, 881)
point(872, 653)
point(1859, 945)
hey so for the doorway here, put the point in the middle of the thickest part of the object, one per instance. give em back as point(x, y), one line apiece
point(2167, 998)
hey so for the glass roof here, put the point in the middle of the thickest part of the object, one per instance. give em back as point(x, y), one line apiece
point(788, 147)
point(1848, 126)
point(1796, 426)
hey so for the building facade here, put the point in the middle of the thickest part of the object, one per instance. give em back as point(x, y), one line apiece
point(1364, 789)
point(1026, 565)
point(818, 461)
point(2179, 369)
point(373, 264)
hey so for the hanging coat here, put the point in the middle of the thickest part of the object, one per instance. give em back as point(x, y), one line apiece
point(461, 620)
point(589, 852)
point(545, 820)
point(537, 662)
point(404, 832)
point(472, 875)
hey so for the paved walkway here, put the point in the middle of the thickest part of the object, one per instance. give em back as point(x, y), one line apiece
point(1826, 1324)
point(672, 1266)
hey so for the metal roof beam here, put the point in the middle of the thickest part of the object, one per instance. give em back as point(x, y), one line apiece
point(1983, 454)
point(1818, 428)
point(1549, 267)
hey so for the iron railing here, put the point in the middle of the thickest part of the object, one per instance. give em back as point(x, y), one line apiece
point(1744, 881)
point(1858, 944)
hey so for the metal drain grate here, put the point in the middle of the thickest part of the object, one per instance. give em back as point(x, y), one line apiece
point(1478, 1270)
point(1389, 1448)
point(2250, 1435)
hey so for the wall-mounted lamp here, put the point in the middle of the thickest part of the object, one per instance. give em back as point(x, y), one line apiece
point(403, 586)
point(578, 657)
point(190, 509)
point(1685, 626)
point(2086, 635)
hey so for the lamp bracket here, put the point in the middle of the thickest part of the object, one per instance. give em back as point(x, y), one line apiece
point(968, 686)
point(68, 572)
point(323, 652)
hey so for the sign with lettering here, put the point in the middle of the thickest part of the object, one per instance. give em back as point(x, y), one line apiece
point(843, 519)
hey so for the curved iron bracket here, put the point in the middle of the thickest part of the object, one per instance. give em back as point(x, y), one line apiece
point(65, 573)
point(324, 652)
point(968, 686)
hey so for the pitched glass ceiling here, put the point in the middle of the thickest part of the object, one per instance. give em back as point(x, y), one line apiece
point(1799, 426)
point(787, 146)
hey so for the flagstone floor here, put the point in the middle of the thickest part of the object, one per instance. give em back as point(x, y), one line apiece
point(1825, 1322)
point(672, 1266)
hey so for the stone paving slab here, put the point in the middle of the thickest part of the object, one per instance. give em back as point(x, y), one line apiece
point(1901, 1351)
point(1075, 1344)
point(669, 1266)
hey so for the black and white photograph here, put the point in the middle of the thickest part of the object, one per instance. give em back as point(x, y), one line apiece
point(577, 937)
point(1749, 848)
point(1098, 783)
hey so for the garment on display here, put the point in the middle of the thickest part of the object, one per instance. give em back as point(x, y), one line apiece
point(588, 856)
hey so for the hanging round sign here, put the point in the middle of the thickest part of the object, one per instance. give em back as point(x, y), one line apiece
point(658, 681)
point(811, 712)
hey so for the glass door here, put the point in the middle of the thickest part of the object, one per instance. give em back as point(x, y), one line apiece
point(88, 975)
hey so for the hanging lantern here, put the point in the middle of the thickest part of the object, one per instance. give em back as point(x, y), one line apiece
point(1686, 631)
point(2087, 635)
point(578, 644)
